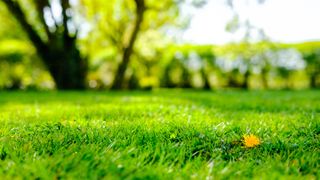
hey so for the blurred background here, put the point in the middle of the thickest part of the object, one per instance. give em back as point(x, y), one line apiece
point(146, 44)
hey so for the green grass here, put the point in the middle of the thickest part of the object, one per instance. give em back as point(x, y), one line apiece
point(159, 135)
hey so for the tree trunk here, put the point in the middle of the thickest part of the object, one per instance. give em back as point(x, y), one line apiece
point(166, 81)
point(205, 78)
point(245, 83)
point(119, 78)
point(232, 82)
point(185, 78)
point(264, 79)
point(127, 52)
point(67, 69)
point(313, 81)
point(59, 52)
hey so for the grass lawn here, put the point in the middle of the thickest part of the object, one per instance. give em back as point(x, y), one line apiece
point(159, 135)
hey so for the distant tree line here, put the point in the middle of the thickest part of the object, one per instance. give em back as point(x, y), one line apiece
point(244, 65)
point(261, 65)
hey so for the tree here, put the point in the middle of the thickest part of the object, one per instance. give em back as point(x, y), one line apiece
point(128, 49)
point(54, 38)
point(119, 24)
point(313, 66)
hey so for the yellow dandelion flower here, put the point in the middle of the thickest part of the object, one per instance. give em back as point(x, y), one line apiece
point(251, 141)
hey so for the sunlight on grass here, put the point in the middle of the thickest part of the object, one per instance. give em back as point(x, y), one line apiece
point(162, 134)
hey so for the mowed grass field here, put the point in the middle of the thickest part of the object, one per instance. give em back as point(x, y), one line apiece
point(159, 135)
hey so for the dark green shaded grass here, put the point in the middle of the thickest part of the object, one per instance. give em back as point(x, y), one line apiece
point(159, 135)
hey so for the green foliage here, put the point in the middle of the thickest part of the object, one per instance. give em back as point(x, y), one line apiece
point(159, 135)
point(112, 21)
point(101, 31)
point(235, 64)
point(9, 28)
point(20, 68)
